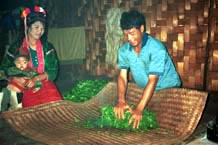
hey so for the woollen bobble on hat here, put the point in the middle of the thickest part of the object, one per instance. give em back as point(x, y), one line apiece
point(30, 10)
point(33, 14)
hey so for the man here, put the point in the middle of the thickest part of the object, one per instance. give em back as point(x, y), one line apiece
point(149, 62)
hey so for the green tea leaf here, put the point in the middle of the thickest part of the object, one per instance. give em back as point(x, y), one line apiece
point(84, 90)
point(107, 119)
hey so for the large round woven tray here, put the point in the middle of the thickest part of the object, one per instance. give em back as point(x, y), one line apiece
point(178, 111)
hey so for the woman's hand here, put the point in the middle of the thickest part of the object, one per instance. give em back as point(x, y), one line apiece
point(120, 108)
point(36, 90)
point(31, 82)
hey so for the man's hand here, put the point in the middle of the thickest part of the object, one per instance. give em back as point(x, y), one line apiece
point(120, 108)
point(136, 118)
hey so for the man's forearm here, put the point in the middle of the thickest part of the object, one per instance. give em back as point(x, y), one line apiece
point(148, 92)
point(122, 84)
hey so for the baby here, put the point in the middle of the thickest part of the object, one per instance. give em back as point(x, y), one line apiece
point(21, 70)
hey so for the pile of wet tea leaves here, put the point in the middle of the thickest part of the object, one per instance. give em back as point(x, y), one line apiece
point(108, 120)
point(84, 90)
point(87, 89)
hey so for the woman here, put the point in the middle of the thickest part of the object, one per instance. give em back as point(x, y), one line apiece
point(42, 56)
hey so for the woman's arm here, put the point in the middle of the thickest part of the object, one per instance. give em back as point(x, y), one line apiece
point(8, 58)
point(51, 62)
point(31, 82)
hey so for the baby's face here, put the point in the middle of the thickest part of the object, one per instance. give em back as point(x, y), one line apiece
point(21, 63)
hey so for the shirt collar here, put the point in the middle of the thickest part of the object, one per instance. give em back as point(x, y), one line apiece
point(144, 41)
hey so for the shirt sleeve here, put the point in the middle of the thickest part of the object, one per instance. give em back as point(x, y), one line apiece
point(123, 62)
point(157, 63)
point(8, 58)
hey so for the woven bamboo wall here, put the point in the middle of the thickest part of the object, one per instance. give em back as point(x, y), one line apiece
point(212, 77)
point(188, 28)
point(181, 24)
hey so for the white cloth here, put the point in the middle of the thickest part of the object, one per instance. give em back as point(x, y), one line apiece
point(1, 97)
point(14, 102)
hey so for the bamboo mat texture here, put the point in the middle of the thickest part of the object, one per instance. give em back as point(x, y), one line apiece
point(178, 111)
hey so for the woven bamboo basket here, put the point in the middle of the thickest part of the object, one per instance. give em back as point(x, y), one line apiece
point(178, 111)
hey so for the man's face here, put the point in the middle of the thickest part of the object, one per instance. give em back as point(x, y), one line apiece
point(36, 30)
point(134, 36)
point(21, 63)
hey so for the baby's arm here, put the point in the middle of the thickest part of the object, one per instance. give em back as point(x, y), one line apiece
point(14, 71)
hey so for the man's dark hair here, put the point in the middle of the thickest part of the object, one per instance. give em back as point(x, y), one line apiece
point(132, 19)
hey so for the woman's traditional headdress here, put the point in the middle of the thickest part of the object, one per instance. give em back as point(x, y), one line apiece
point(36, 9)
point(31, 14)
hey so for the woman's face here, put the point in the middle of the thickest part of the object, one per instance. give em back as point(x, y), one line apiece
point(36, 30)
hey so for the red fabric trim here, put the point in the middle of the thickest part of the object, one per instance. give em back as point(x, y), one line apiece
point(47, 93)
point(40, 54)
